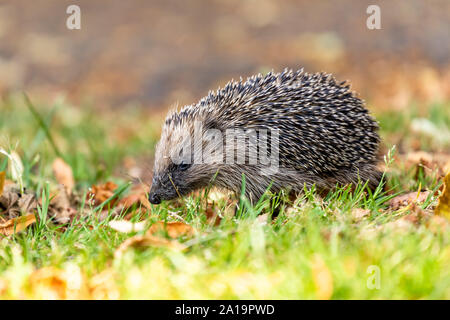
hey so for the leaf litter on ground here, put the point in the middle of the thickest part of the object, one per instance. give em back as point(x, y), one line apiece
point(16, 225)
point(64, 203)
point(12, 204)
point(154, 236)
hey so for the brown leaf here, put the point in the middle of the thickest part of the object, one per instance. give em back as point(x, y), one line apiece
point(212, 216)
point(60, 207)
point(147, 241)
point(16, 225)
point(63, 174)
point(101, 193)
point(428, 163)
point(137, 196)
point(406, 199)
point(173, 229)
point(443, 206)
point(13, 203)
point(414, 158)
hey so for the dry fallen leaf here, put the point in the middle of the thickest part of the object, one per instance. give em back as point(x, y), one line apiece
point(60, 207)
point(406, 199)
point(137, 196)
point(63, 174)
point(101, 193)
point(126, 226)
point(443, 206)
point(212, 216)
point(173, 229)
point(413, 158)
point(428, 163)
point(13, 203)
point(16, 225)
point(147, 241)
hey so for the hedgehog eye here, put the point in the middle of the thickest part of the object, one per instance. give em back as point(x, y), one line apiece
point(184, 166)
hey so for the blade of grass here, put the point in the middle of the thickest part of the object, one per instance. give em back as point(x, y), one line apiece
point(43, 125)
point(116, 194)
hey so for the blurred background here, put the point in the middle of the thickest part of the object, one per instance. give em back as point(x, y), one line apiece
point(158, 53)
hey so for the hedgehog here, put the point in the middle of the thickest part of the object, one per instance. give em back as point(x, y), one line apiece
point(287, 130)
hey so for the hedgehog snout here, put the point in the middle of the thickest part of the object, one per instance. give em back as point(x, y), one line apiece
point(154, 198)
point(163, 188)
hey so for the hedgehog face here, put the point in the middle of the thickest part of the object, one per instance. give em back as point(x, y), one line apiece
point(170, 183)
point(177, 180)
point(174, 173)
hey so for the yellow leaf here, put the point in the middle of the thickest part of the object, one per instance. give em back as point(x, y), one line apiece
point(443, 207)
point(17, 224)
point(63, 174)
point(323, 280)
point(53, 283)
point(2, 181)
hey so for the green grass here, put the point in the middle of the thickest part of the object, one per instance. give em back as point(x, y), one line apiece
point(316, 248)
